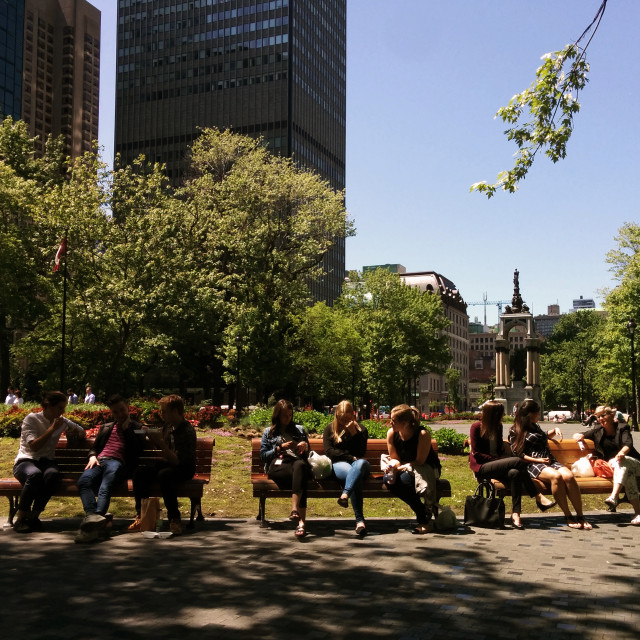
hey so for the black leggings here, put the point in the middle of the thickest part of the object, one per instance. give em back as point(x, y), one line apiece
point(512, 472)
point(292, 475)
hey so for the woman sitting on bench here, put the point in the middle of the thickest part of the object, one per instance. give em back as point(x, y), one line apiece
point(613, 442)
point(284, 451)
point(417, 466)
point(530, 442)
point(487, 460)
point(345, 443)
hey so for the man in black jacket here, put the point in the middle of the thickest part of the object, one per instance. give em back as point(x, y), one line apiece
point(113, 457)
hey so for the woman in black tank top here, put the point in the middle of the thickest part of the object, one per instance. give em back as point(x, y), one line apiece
point(417, 466)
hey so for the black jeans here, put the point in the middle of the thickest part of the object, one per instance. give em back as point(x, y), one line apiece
point(292, 475)
point(512, 472)
point(168, 476)
point(39, 479)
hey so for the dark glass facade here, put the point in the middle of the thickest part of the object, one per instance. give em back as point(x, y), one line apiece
point(11, 45)
point(271, 68)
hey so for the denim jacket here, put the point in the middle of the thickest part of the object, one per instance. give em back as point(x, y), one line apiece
point(270, 444)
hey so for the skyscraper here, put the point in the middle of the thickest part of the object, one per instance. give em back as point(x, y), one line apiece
point(50, 68)
point(271, 68)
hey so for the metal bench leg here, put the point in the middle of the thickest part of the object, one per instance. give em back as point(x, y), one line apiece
point(13, 509)
point(261, 511)
point(196, 506)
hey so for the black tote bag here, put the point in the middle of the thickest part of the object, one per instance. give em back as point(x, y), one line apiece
point(482, 510)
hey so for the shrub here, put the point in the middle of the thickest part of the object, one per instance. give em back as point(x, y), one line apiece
point(11, 420)
point(376, 428)
point(450, 441)
point(312, 421)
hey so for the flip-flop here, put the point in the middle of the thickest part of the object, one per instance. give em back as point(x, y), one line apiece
point(573, 523)
point(294, 515)
point(361, 529)
point(300, 531)
point(583, 523)
point(420, 530)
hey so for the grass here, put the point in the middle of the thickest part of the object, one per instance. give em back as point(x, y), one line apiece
point(229, 495)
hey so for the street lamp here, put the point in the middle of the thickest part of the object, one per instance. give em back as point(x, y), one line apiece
point(631, 326)
point(581, 403)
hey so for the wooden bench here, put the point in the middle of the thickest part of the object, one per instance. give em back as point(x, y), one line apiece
point(567, 452)
point(72, 457)
point(373, 487)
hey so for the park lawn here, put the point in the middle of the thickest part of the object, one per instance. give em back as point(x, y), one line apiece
point(229, 495)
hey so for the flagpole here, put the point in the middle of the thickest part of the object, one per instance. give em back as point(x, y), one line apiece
point(64, 313)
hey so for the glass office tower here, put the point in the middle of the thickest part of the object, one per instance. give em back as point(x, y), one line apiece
point(275, 68)
point(11, 35)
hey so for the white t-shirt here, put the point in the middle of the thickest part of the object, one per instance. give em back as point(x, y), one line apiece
point(90, 398)
point(18, 401)
point(33, 426)
point(9, 399)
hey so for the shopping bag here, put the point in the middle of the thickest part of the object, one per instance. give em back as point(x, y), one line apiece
point(320, 465)
point(582, 468)
point(149, 514)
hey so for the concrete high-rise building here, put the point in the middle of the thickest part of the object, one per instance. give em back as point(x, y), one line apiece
point(583, 303)
point(275, 69)
point(50, 69)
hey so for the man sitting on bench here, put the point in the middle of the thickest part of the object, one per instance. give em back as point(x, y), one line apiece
point(113, 457)
point(177, 444)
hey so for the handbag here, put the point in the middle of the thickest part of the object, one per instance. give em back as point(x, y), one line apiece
point(582, 468)
point(482, 510)
point(320, 465)
point(602, 469)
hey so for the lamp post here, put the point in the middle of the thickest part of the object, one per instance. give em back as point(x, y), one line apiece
point(581, 401)
point(631, 326)
point(238, 351)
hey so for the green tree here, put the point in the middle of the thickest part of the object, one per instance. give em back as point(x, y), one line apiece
point(551, 103)
point(571, 360)
point(327, 354)
point(264, 227)
point(452, 376)
point(401, 329)
point(622, 305)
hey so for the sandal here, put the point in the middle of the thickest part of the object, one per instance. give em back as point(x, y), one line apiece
point(361, 529)
point(583, 523)
point(612, 503)
point(517, 525)
point(420, 530)
point(294, 515)
point(301, 532)
point(572, 522)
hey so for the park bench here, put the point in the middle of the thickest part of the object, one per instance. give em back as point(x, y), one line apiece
point(567, 452)
point(373, 487)
point(72, 456)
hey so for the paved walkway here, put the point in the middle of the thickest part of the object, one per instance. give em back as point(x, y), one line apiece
point(232, 579)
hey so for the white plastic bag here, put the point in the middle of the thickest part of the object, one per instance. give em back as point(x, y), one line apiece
point(582, 468)
point(320, 465)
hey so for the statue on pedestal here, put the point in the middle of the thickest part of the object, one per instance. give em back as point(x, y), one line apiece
point(517, 305)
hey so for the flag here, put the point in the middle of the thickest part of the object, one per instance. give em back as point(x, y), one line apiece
point(62, 251)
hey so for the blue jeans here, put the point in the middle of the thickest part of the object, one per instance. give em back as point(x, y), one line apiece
point(99, 479)
point(351, 476)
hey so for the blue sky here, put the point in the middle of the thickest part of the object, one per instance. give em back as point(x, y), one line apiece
point(424, 80)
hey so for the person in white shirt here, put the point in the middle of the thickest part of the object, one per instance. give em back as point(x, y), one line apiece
point(10, 397)
point(18, 398)
point(35, 466)
point(89, 396)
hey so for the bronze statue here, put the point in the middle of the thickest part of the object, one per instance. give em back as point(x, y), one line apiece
point(517, 305)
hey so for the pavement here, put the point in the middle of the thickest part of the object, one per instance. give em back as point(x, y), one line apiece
point(232, 579)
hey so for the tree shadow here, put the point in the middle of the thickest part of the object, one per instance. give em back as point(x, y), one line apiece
point(233, 579)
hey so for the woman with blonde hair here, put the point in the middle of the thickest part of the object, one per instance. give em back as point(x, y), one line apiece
point(530, 442)
point(487, 460)
point(284, 451)
point(345, 443)
point(409, 445)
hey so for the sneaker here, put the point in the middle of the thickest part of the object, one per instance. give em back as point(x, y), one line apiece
point(84, 536)
point(93, 522)
point(636, 521)
point(175, 526)
point(135, 525)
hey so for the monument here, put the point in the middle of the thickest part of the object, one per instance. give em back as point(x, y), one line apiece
point(507, 390)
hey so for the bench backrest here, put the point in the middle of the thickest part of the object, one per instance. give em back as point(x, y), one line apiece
point(568, 451)
point(375, 448)
point(72, 456)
